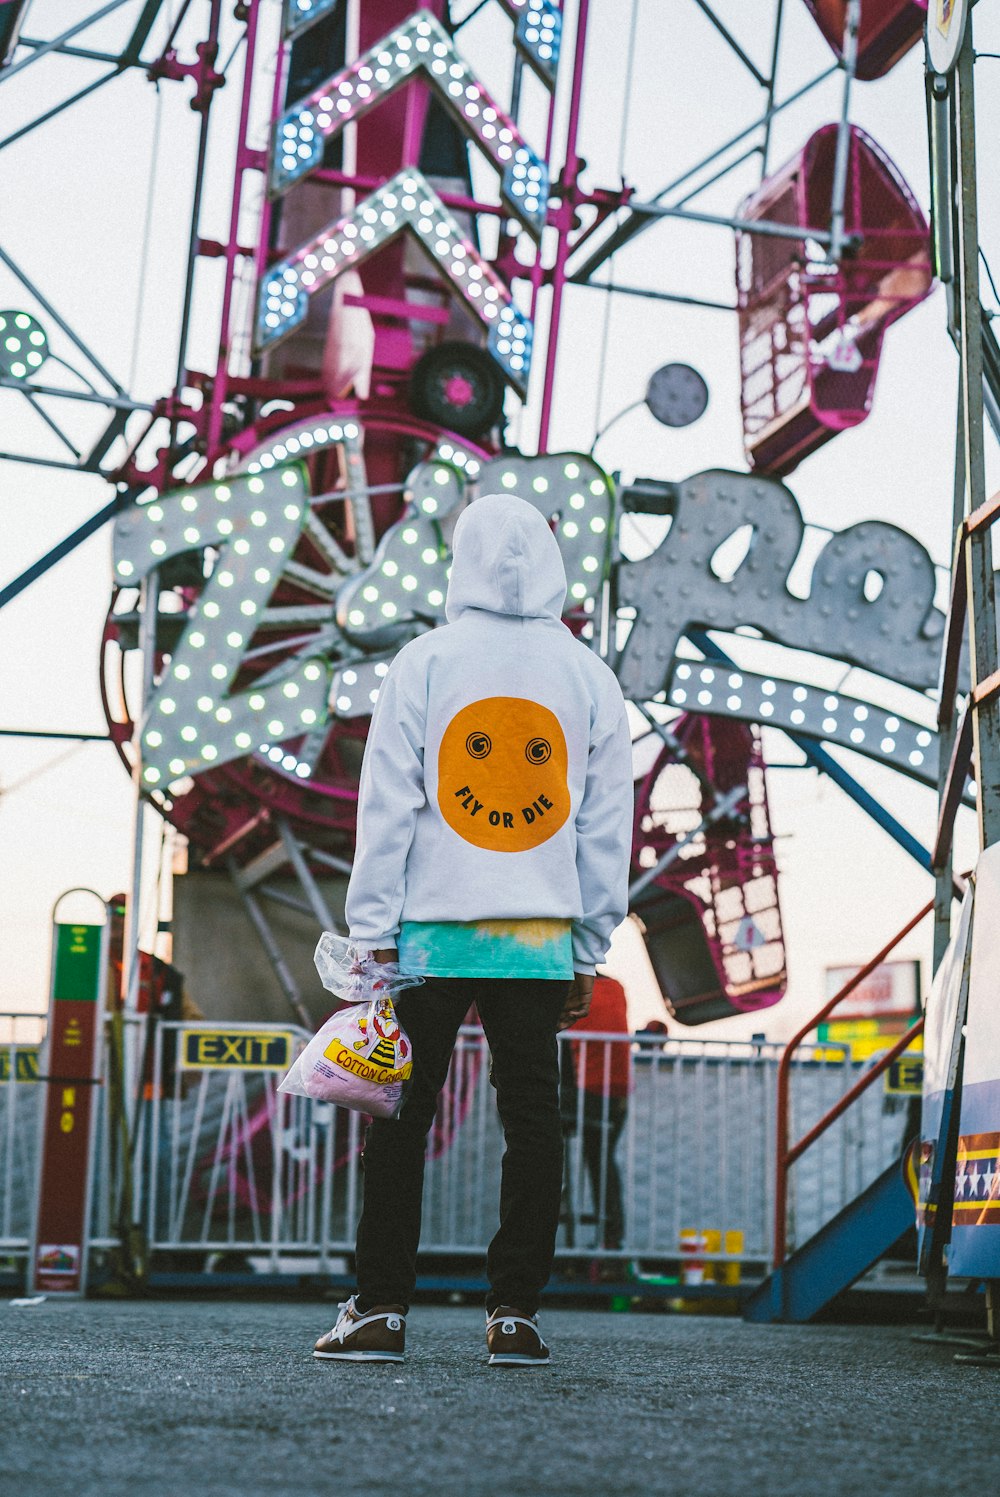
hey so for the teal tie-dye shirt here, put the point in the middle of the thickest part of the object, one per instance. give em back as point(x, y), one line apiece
point(538, 949)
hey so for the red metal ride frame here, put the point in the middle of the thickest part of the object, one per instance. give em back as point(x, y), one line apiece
point(811, 330)
point(888, 29)
point(723, 886)
point(786, 1156)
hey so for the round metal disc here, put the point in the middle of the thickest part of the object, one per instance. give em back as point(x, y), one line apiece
point(676, 395)
point(944, 33)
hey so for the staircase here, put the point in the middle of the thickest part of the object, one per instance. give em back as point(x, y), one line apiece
point(804, 1281)
point(848, 1246)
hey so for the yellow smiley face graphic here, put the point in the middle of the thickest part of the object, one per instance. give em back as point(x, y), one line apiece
point(502, 774)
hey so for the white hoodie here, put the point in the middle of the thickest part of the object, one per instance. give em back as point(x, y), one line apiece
point(497, 778)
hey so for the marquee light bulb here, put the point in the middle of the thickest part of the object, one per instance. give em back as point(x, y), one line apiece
point(303, 130)
point(285, 290)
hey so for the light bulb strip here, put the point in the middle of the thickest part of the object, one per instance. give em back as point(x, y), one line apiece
point(537, 34)
point(813, 711)
point(407, 201)
point(577, 497)
point(192, 722)
point(319, 434)
point(420, 45)
point(356, 686)
point(406, 584)
point(299, 15)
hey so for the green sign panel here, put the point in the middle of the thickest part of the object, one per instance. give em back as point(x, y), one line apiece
point(78, 959)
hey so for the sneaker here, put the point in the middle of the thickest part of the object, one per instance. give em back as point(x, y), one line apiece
point(364, 1336)
point(514, 1339)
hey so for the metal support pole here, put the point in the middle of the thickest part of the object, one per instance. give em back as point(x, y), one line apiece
point(762, 227)
point(852, 21)
point(210, 45)
point(63, 548)
point(312, 891)
point(89, 397)
point(50, 114)
point(942, 184)
point(570, 173)
point(979, 547)
point(280, 967)
point(328, 860)
point(147, 650)
point(948, 722)
point(732, 43)
point(772, 83)
point(244, 163)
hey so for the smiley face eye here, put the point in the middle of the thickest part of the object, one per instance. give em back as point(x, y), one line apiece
point(538, 751)
point(478, 745)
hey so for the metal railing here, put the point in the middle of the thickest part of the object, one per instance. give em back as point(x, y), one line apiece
point(231, 1164)
point(222, 1163)
point(957, 736)
point(786, 1155)
point(20, 1093)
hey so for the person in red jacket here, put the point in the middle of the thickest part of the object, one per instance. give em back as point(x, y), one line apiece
point(602, 1072)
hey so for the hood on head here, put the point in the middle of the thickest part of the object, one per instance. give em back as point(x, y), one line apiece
point(505, 559)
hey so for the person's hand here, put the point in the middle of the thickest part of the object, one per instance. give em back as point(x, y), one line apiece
point(386, 954)
point(577, 1005)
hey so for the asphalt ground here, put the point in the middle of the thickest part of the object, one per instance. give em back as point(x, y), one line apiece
point(225, 1398)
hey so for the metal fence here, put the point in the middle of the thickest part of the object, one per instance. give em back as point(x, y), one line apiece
point(224, 1163)
point(20, 1118)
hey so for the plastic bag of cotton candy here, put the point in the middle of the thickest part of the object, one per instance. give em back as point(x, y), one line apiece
point(361, 1057)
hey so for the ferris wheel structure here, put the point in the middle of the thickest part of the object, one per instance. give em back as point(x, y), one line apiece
point(404, 231)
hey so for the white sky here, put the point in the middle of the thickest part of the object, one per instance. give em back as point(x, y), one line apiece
point(75, 194)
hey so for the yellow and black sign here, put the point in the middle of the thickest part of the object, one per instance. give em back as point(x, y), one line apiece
point(25, 1067)
point(867, 1037)
point(236, 1049)
point(905, 1077)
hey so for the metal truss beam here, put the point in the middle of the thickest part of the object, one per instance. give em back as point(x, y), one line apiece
point(56, 43)
point(254, 883)
point(60, 322)
point(275, 955)
point(630, 227)
point(85, 54)
point(57, 109)
point(651, 295)
point(65, 546)
point(733, 44)
point(54, 733)
point(819, 757)
point(978, 550)
point(89, 397)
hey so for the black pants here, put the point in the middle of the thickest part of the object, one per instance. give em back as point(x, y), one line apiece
point(520, 1019)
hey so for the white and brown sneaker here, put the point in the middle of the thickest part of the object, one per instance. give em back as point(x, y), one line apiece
point(514, 1339)
point(375, 1335)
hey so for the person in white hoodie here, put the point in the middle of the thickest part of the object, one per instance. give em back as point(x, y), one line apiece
point(494, 834)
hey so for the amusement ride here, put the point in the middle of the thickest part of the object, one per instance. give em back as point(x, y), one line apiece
point(404, 227)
